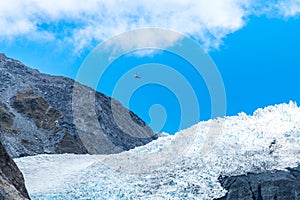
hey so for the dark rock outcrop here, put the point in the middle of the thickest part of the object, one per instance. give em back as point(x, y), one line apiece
point(36, 116)
point(12, 184)
point(264, 186)
point(6, 118)
point(37, 108)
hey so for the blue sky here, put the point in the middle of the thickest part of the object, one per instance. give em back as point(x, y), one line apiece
point(254, 45)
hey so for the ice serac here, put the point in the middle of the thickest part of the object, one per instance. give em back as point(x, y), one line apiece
point(12, 184)
point(258, 153)
point(269, 185)
point(36, 116)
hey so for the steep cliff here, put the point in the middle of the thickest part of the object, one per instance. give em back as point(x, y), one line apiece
point(12, 184)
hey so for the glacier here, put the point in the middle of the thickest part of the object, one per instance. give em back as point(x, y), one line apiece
point(186, 165)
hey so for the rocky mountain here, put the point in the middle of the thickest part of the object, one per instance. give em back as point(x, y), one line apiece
point(269, 185)
point(36, 116)
point(12, 184)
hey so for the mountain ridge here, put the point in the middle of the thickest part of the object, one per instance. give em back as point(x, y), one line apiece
point(40, 107)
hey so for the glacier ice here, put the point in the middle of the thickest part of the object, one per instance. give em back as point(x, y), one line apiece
point(181, 166)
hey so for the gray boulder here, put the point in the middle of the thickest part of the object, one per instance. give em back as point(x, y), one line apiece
point(275, 185)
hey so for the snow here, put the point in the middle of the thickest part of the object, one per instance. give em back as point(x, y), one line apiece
point(181, 166)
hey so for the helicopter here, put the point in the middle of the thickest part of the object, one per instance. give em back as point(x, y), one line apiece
point(137, 76)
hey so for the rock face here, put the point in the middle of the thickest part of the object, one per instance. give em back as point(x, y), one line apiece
point(12, 184)
point(36, 116)
point(263, 186)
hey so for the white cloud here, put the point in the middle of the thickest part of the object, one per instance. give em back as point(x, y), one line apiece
point(289, 8)
point(208, 21)
point(144, 39)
